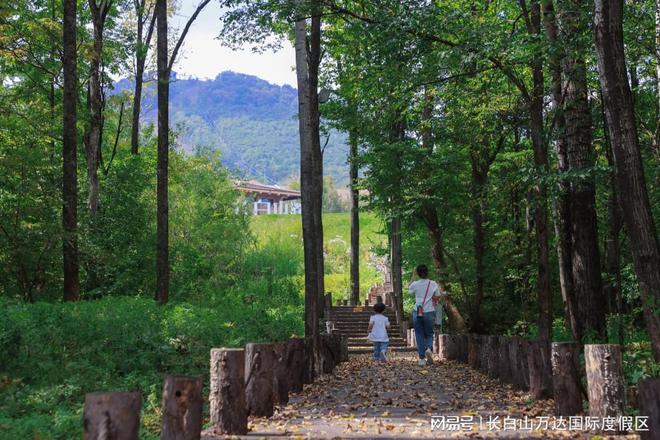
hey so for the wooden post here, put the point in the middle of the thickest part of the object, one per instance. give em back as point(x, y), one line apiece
point(473, 350)
point(493, 356)
point(343, 353)
point(295, 363)
point(328, 300)
point(182, 408)
point(366, 302)
point(281, 375)
point(649, 406)
point(503, 366)
point(519, 374)
point(443, 347)
point(566, 378)
point(112, 416)
point(604, 380)
point(227, 398)
point(483, 353)
point(259, 365)
point(462, 347)
point(413, 338)
point(540, 370)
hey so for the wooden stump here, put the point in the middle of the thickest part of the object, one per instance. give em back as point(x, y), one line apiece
point(259, 366)
point(413, 338)
point(227, 397)
point(524, 363)
point(649, 406)
point(112, 416)
point(473, 350)
point(504, 369)
point(330, 352)
point(483, 353)
point(443, 349)
point(182, 408)
point(461, 342)
point(343, 352)
point(281, 375)
point(540, 370)
point(295, 363)
point(516, 356)
point(566, 378)
point(604, 380)
point(492, 368)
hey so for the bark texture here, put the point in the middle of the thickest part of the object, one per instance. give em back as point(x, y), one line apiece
point(605, 383)
point(228, 409)
point(112, 416)
point(259, 376)
point(69, 149)
point(566, 378)
point(649, 405)
point(162, 209)
point(182, 408)
point(295, 363)
point(619, 111)
point(355, 223)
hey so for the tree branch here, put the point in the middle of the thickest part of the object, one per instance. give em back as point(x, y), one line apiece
point(182, 37)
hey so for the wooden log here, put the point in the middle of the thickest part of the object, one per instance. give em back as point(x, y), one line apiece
point(473, 350)
point(462, 348)
point(295, 363)
point(413, 338)
point(443, 347)
point(492, 368)
point(112, 416)
point(343, 353)
point(281, 375)
point(330, 352)
point(228, 409)
point(516, 355)
point(259, 366)
point(649, 406)
point(483, 353)
point(540, 370)
point(566, 378)
point(605, 385)
point(524, 363)
point(182, 408)
point(328, 300)
point(503, 365)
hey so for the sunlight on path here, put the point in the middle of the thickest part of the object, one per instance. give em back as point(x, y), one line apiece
point(397, 400)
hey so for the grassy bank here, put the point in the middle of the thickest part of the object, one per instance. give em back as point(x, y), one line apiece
point(52, 353)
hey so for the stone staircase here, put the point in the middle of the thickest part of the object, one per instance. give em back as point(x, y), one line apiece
point(354, 322)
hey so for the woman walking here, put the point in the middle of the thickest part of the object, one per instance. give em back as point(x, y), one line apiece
point(426, 294)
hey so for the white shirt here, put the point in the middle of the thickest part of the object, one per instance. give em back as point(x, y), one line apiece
point(379, 330)
point(418, 288)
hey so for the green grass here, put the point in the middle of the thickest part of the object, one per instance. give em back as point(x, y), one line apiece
point(287, 231)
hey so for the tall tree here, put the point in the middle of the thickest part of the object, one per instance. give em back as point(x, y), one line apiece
point(142, 14)
point(355, 220)
point(308, 58)
point(619, 111)
point(162, 222)
point(93, 138)
point(70, 163)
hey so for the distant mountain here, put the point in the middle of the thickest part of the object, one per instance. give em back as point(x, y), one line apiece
point(250, 121)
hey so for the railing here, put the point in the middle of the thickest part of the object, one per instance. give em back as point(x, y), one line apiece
point(243, 381)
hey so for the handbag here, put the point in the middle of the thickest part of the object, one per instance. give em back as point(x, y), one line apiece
point(420, 308)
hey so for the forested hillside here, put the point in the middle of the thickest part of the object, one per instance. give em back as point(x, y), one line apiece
point(251, 122)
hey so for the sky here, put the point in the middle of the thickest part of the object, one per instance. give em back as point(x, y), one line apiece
point(203, 56)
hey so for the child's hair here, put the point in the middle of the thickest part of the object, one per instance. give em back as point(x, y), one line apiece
point(422, 271)
point(379, 308)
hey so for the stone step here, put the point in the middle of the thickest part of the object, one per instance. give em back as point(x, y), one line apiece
point(369, 350)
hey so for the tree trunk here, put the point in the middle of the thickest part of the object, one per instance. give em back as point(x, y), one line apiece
point(637, 216)
point(562, 221)
point(395, 267)
point(69, 150)
point(479, 190)
point(566, 378)
point(141, 51)
point(94, 136)
point(112, 416)
point(585, 255)
point(604, 380)
point(309, 186)
point(259, 365)
point(182, 408)
point(227, 397)
point(355, 223)
point(162, 214)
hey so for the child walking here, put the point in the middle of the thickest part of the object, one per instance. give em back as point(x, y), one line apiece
point(378, 325)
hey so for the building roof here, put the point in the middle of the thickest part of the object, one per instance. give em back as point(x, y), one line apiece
point(254, 187)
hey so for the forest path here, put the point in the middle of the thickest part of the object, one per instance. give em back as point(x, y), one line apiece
point(363, 399)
